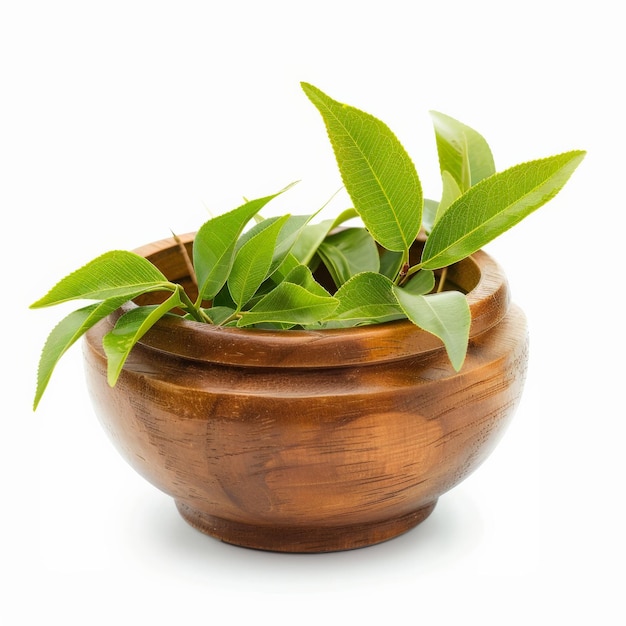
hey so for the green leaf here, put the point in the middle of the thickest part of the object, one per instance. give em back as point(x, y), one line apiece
point(223, 299)
point(391, 263)
point(366, 297)
point(312, 235)
point(302, 275)
point(65, 333)
point(215, 241)
point(430, 214)
point(376, 170)
point(289, 303)
point(259, 227)
point(253, 262)
point(282, 260)
point(219, 314)
point(420, 283)
point(129, 329)
point(446, 315)
point(494, 205)
point(463, 152)
point(114, 274)
point(450, 192)
point(308, 241)
point(287, 238)
point(349, 252)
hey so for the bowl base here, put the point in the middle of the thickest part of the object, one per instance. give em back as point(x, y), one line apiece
point(317, 538)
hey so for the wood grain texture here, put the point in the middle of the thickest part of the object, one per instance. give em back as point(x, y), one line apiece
point(311, 441)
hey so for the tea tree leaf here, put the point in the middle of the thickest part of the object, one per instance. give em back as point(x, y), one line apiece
point(308, 241)
point(349, 252)
point(367, 296)
point(253, 261)
point(65, 333)
point(420, 283)
point(445, 315)
point(224, 299)
point(114, 274)
point(302, 275)
point(450, 192)
point(286, 240)
point(429, 215)
point(494, 205)
point(219, 314)
point(391, 263)
point(291, 304)
point(282, 260)
point(260, 225)
point(376, 170)
point(312, 235)
point(129, 329)
point(214, 245)
point(463, 152)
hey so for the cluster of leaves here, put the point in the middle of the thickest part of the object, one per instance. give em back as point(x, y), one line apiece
point(264, 275)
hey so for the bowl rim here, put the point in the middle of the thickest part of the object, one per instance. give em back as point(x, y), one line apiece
point(488, 299)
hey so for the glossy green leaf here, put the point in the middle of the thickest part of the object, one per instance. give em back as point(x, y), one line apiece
point(494, 205)
point(219, 314)
point(283, 258)
point(115, 274)
point(376, 170)
point(429, 215)
point(260, 224)
point(65, 333)
point(302, 275)
point(308, 241)
point(348, 252)
point(420, 283)
point(367, 296)
point(463, 152)
point(450, 192)
point(253, 262)
point(223, 299)
point(215, 241)
point(391, 263)
point(445, 315)
point(287, 236)
point(289, 303)
point(129, 329)
point(312, 235)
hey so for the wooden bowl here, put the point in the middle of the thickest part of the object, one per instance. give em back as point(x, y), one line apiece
point(311, 441)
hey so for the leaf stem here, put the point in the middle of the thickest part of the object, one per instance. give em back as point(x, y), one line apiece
point(236, 315)
point(196, 312)
point(442, 279)
point(403, 277)
point(404, 269)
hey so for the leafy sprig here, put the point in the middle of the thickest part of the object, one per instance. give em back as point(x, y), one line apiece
point(264, 275)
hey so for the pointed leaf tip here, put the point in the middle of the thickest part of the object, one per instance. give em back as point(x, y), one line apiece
point(129, 329)
point(445, 315)
point(111, 275)
point(463, 152)
point(66, 333)
point(215, 243)
point(494, 205)
point(376, 170)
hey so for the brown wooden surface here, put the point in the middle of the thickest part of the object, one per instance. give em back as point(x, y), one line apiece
point(309, 441)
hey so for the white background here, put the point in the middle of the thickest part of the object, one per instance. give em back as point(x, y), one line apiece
point(122, 120)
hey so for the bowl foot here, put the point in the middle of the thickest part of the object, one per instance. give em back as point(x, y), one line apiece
point(317, 538)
